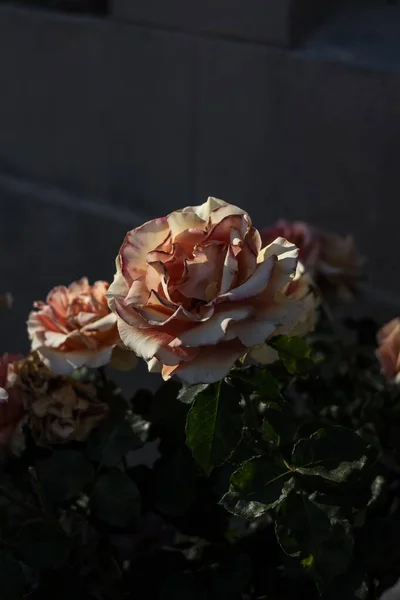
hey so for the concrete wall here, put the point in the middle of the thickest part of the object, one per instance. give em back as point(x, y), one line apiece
point(143, 120)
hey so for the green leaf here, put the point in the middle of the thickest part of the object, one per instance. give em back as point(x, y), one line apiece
point(260, 380)
point(188, 393)
point(294, 353)
point(259, 484)
point(316, 535)
point(175, 483)
point(64, 475)
point(42, 545)
point(279, 425)
point(214, 426)
point(115, 499)
point(109, 443)
point(11, 577)
point(334, 453)
point(267, 385)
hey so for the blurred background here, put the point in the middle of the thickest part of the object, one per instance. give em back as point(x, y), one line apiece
point(113, 112)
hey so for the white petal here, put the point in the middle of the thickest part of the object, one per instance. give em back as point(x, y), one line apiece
point(254, 285)
point(264, 354)
point(213, 330)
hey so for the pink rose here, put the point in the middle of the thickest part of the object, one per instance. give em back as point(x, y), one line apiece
point(302, 235)
point(194, 291)
point(388, 352)
point(11, 403)
point(74, 327)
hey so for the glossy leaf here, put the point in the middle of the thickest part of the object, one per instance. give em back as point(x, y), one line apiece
point(334, 453)
point(259, 484)
point(214, 426)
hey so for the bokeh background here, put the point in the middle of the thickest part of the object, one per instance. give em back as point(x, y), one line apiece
point(114, 112)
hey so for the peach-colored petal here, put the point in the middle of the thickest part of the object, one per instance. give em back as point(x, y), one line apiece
point(138, 243)
point(213, 330)
point(203, 273)
point(204, 210)
point(211, 364)
point(179, 222)
point(254, 285)
point(229, 272)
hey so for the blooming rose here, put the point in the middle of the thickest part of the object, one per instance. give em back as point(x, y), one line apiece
point(74, 327)
point(194, 291)
point(302, 235)
point(11, 404)
point(388, 352)
point(60, 409)
point(6, 301)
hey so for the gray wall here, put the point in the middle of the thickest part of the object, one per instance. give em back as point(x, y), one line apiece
point(128, 122)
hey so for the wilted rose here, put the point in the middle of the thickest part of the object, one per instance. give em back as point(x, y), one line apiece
point(11, 404)
point(194, 291)
point(60, 409)
point(388, 352)
point(302, 235)
point(6, 301)
point(74, 327)
point(339, 263)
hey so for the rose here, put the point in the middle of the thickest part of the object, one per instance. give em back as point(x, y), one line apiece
point(11, 405)
point(327, 257)
point(300, 288)
point(339, 263)
point(388, 352)
point(194, 291)
point(302, 235)
point(74, 327)
point(60, 409)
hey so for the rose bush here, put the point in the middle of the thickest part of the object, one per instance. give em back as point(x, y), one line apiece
point(274, 476)
point(195, 291)
point(74, 327)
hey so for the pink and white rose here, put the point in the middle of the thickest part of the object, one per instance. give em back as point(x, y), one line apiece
point(388, 352)
point(74, 327)
point(327, 257)
point(195, 291)
point(302, 235)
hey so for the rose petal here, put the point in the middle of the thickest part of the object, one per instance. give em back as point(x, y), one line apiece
point(211, 365)
point(254, 285)
point(211, 331)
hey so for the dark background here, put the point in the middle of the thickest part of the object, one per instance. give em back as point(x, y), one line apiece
point(289, 108)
